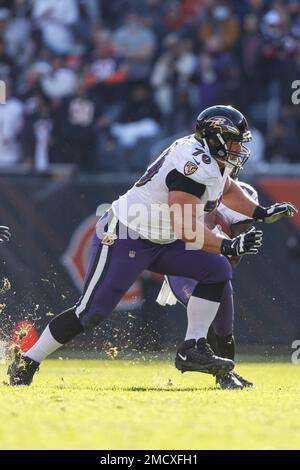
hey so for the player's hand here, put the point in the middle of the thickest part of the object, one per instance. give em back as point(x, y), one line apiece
point(244, 244)
point(275, 212)
point(4, 234)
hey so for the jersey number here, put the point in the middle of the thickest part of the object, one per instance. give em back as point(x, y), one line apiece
point(152, 170)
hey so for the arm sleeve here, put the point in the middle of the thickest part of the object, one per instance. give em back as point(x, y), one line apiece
point(176, 181)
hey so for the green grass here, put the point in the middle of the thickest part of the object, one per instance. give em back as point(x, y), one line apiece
point(122, 404)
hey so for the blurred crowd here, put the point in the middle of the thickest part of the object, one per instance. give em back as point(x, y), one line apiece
point(97, 83)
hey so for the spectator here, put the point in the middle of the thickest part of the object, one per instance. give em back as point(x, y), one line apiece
point(218, 20)
point(32, 76)
point(173, 71)
point(7, 66)
point(11, 122)
point(206, 79)
point(36, 135)
point(174, 20)
point(54, 18)
point(230, 89)
point(137, 44)
point(17, 31)
point(74, 130)
point(107, 71)
point(139, 120)
point(107, 78)
point(60, 82)
point(250, 47)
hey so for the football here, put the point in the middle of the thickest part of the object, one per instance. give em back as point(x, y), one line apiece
point(221, 221)
point(215, 219)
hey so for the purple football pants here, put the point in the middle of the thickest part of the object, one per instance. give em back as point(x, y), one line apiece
point(182, 288)
point(114, 267)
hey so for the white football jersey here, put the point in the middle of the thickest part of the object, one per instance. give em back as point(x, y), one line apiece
point(144, 208)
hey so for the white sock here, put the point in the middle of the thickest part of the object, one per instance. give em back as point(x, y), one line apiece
point(44, 346)
point(200, 314)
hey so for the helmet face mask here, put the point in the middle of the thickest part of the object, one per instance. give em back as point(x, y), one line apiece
point(223, 152)
point(223, 127)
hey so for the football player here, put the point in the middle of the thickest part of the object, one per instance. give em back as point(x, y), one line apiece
point(153, 225)
point(220, 334)
point(4, 234)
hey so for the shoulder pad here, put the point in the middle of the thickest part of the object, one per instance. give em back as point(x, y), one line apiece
point(194, 161)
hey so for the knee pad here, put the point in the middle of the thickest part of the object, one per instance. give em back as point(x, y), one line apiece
point(65, 326)
point(212, 292)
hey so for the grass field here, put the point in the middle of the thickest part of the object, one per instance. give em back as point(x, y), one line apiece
point(123, 404)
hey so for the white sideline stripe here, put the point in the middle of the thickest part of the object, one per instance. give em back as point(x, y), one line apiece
point(100, 266)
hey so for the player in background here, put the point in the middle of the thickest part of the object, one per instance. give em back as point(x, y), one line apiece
point(4, 234)
point(194, 172)
point(177, 289)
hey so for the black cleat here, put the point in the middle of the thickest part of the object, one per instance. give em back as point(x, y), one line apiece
point(244, 382)
point(22, 370)
point(229, 381)
point(199, 357)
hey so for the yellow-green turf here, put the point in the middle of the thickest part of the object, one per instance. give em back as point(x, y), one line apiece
point(126, 404)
